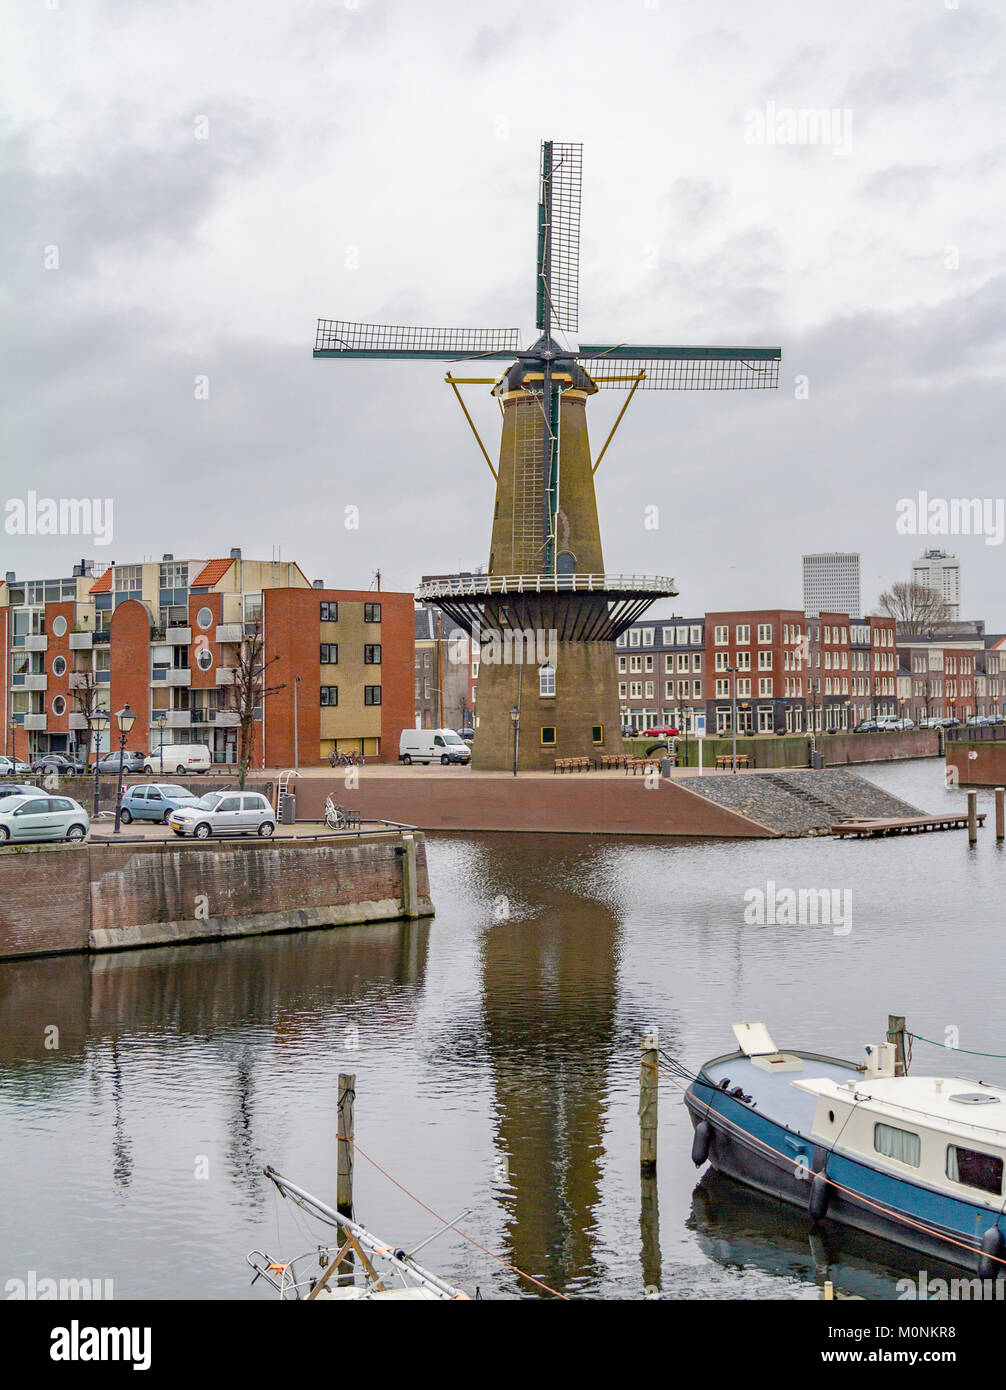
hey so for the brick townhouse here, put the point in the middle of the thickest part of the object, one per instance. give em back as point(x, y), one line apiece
point(166, 637)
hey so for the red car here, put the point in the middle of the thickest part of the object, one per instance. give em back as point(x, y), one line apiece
point(660, 733)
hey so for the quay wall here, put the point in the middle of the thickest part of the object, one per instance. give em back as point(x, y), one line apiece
point(106, 897)
point(978, 763)
point(793, 750)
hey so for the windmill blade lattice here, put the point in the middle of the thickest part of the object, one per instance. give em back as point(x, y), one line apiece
point(340, 338)
point(619, 368)
point(559, 235)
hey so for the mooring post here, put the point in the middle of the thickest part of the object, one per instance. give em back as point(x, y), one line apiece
point(972, 817)
point(344, 1185)
point(1000, 814)
point(410, 890)
point(896, 1035)
point(648, 1086)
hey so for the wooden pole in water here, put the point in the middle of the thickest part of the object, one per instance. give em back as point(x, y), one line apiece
point(1000, 814)
point(972, 817)
point(648, 1088)
point(896, 1035)
point(344, 1187)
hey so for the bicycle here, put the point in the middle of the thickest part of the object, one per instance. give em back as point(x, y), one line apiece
point(335, 816)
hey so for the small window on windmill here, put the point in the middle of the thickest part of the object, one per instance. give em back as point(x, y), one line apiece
point(548, 735)
point(598, 733)
point(546, 681)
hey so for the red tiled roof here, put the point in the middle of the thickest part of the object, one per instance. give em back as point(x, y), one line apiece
point(211, 573)
point(104, 584)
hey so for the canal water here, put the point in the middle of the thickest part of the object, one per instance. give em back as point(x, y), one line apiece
point(496, 1051)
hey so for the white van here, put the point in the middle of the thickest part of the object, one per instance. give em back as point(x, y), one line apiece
point(178, 758)
point(432, 746)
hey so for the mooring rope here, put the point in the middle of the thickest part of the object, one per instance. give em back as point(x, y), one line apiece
point(947, 1048)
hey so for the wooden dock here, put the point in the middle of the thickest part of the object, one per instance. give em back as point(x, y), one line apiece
point(902, 825)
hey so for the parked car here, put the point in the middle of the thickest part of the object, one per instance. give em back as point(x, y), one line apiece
point(34, 817)
point(932, 722)
point(155, 801)
point(868, 726)
point(178, 758)
point(893, 723)
point(131, 762)
point(467, 734)
point(432, 746)
point(978, 721)
point(659, 731)
point(13, 767)
point(18, 789)
point(56, 762)
point(225, 813)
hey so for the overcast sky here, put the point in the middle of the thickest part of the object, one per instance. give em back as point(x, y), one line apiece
point(212, 176)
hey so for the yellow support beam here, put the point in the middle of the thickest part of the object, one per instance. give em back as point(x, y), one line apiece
point(453, 383)
point(618, 420)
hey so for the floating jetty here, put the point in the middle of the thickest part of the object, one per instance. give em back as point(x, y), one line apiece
point(901, 825)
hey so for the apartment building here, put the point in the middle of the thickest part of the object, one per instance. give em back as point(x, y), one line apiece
point(661, 673)
point(167, 638)
point(953, 676)
point(831, 581)
point(447, 659)
point(852, 671)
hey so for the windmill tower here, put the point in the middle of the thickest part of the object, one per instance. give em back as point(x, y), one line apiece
point(546, 614)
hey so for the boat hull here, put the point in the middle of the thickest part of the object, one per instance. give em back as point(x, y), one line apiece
point(783, 1162)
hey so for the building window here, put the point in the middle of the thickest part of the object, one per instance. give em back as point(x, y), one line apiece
point(329, 612)
point(696, 636)
point(597, 733)
point(548, 735)
point(743, 632)
point(329, 695)
point(371, 654)
point(621, 690)
point(546, 681)
point(633, 636)
point(974, 1169)
point(371, 612)
point(764, 661)
point(329, 653)
point(59, 706)
point(204, 618)
point(647, 636)
point(59, 666)
point(371, 694)
point(720, 636)
point(764, 632)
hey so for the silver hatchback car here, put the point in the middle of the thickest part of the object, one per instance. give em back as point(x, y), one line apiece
point(35, 817)
point(225, 813)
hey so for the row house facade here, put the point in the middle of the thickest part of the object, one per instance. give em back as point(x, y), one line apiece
point(788, 673)
point(953, 677)
point(167, 638)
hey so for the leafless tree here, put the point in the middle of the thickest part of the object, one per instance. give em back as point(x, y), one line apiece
point(249, 690)
point(86, 695)
point(918, 610)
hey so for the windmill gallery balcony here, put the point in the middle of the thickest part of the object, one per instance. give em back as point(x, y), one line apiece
point(559, 602)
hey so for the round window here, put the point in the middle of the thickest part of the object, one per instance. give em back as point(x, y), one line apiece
point(204, 659)
point(58, 706)
point(205, 618)
point(59, 666)
point(59, 626)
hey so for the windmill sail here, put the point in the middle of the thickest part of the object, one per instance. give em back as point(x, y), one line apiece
point(617, 366)
point(340, 338)
point(558, 288)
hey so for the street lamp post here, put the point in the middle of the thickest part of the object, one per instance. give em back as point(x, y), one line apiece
point(126, 718)
point(161, 721)
point(99, 722)
point(733, 715)
point(515, 716)
point(13, 743)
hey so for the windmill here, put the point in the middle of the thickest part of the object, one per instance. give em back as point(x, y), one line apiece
point(545, 600)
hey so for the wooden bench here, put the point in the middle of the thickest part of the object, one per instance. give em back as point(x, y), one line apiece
point(572, 765)
point(643, 765)
point(725, 761)
point(607, 760)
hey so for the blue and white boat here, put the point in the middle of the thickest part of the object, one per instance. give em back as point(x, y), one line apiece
point(918, 1160)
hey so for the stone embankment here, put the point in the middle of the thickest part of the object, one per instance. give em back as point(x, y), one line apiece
point(800, 802)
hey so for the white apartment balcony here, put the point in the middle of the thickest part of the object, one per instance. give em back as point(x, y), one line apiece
point(229, 632)
point(81, 641)
point(179, 718)
point(36, 682)
point(227, 718)
point(178, 676)
point(178, 636)
point(35, 721)
point(225, 675)
point(38, 643)
point(78, 721)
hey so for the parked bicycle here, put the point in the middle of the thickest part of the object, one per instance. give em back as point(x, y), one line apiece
point(335, 816)
point(337, 759)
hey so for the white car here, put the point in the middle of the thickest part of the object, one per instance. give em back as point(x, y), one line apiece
point(42, 817)
point(225, 813)
point(13, 767)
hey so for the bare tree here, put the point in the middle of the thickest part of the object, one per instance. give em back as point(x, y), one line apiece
point(918, 610)
point(248, 691)
point(86, 699)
